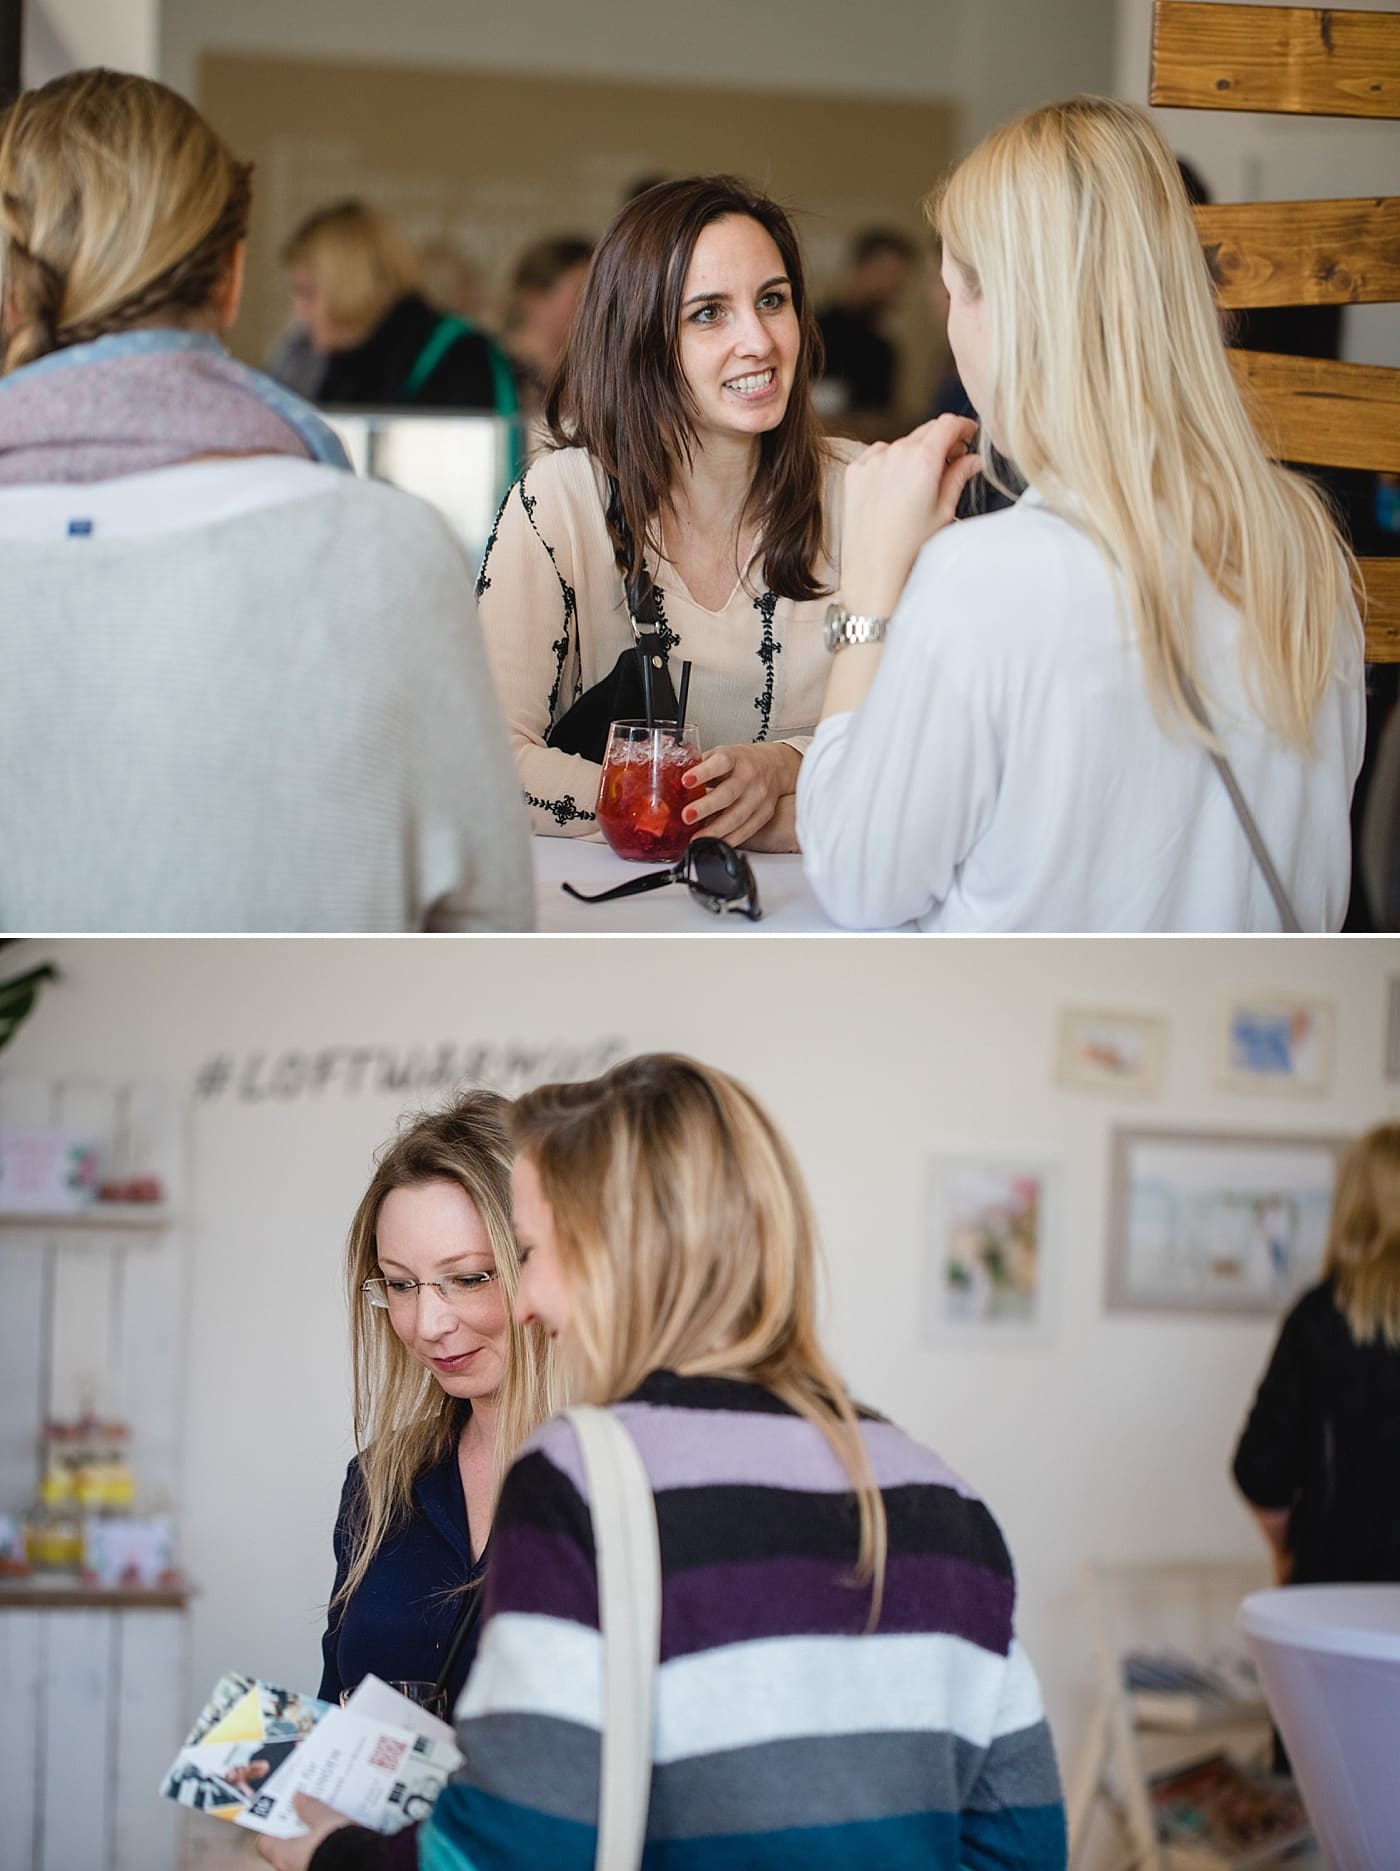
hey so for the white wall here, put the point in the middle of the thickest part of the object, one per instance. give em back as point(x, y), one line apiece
point(992, 59)
point(121, 33)
point(1110, 1440)
point(1249, 156)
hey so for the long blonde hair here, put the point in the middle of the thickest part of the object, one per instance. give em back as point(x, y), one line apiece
point(119, 207)
point(1363, 1240)
point(404, 1421)
point(683, 1223)
point(1111, 392)
point(361, 262)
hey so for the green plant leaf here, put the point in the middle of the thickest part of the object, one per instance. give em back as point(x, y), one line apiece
point(17, 998)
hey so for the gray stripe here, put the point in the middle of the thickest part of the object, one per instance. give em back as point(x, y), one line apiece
point(822, 1780)
point(1019, 1770)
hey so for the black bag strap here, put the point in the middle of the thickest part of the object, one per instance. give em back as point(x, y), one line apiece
point(642, 605)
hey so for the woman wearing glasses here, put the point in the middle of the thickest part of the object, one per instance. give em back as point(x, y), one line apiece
point(447, 1387)
point(1030, 749)
point(688, 485)
point(840, 1680)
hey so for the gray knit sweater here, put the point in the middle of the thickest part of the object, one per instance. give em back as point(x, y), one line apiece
point(280, 721)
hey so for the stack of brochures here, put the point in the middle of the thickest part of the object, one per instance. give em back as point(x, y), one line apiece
point(380, 1760)
point(1227, 1814)
point(1172, 1690)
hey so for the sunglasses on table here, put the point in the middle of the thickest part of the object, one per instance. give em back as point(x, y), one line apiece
point(714, 873)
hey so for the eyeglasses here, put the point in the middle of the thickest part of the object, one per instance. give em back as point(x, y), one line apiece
point(458, 1290)
point(714, 873)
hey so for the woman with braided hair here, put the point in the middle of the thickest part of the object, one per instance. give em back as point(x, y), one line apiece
point(688, 487)
point(246, 690)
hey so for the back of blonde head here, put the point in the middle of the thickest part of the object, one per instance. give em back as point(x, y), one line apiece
point(1363, 1241)
point(1113, 394)
point(362, 264)
point(684, 1227)
point(119, 207)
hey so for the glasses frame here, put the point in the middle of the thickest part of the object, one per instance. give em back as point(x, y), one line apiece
point(722, 864)
point(379, 1283)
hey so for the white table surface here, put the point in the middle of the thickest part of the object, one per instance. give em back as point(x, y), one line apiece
point(789, 908)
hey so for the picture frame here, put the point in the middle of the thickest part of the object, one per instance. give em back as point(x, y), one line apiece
point(1099, 1050)
point(1277, 1045)
point(990, 1253)
point(1217, 1222)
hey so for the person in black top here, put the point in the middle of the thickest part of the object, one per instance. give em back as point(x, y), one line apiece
point(1319, 1459)
point(860, 360)
point(354, 293)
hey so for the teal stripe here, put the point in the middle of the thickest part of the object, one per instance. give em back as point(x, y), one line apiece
point(473, 1831)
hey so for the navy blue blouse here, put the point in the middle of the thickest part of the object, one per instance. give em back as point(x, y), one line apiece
point(401, 1618)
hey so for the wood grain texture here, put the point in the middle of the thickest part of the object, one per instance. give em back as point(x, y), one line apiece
point(1269, 253)
point(1382, 580)
point(1327, 415)
point(1322, 62)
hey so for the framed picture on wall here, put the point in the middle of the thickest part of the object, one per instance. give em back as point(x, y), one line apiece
point(1114, 1052)
point(1216, 1221)
point(989, 1256)
point(1275, 1043)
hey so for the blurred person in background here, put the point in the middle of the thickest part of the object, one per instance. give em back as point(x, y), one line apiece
point(862, 363)
point(245, 690)
point(688, 484)
point(355, 293)
point(545, 289)
point(451, 279)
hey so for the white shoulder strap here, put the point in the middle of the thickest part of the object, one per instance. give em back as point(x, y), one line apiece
point(629, 1609)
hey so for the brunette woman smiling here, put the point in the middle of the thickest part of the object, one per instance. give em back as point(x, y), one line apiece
point(688, 484)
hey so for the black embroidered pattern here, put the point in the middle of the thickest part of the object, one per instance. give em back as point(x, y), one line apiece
point(767, 650)
point(560, 646)
point(563, 811)
point(668, 638)
point(483, 583)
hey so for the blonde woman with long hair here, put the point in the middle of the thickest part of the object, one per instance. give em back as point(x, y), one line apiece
point(1018, 727)
point(245, 688)
point(840, 1681)
point(1319, 1458)
point(447, 1386)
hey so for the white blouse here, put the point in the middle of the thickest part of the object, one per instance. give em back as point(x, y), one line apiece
point(1007, 771)
point(555, 620)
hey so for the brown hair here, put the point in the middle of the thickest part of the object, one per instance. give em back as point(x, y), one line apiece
point(683, 1223)
point(362, 263)
point(620, 391)
point(119, 206)
point(404, 1421)
point(1363, 1239)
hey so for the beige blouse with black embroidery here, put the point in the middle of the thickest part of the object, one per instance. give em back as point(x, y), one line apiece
point(555, 621)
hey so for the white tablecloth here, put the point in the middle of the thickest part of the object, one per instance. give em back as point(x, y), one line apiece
point(788, 905)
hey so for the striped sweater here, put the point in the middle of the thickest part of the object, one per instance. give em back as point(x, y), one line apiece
point(786, 1736)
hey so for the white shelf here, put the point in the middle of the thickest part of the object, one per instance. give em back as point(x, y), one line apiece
point(141, 1217)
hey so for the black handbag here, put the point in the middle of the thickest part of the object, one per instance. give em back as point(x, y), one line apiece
point(621, 694)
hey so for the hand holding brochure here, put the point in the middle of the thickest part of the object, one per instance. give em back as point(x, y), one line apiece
point(381, 1760)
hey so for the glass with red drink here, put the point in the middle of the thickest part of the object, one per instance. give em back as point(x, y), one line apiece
point(640, 795)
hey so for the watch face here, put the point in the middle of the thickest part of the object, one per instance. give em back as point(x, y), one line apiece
point(834, 627)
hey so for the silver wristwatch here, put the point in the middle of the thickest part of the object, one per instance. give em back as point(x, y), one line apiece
point(842, 628)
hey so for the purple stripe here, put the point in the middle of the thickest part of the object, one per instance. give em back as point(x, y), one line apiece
point(533, 1569)
point(709, 1448)
point(924, 1593)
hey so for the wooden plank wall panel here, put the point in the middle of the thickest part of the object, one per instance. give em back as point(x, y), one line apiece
point(149, 1723)
point(1322, 62)
point(86, 1274)
point(1382, 580)
point(148, 1393)
point(1263, 253)
point(25, 1265)
point(1329, 415)
point(76, 1768)
point(21, 1673)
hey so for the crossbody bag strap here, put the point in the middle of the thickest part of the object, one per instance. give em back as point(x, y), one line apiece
point(629, 1613)
point(1287, 915)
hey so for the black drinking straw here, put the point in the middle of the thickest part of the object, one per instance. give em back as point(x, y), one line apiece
point(680, 704)
point(646, 685)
